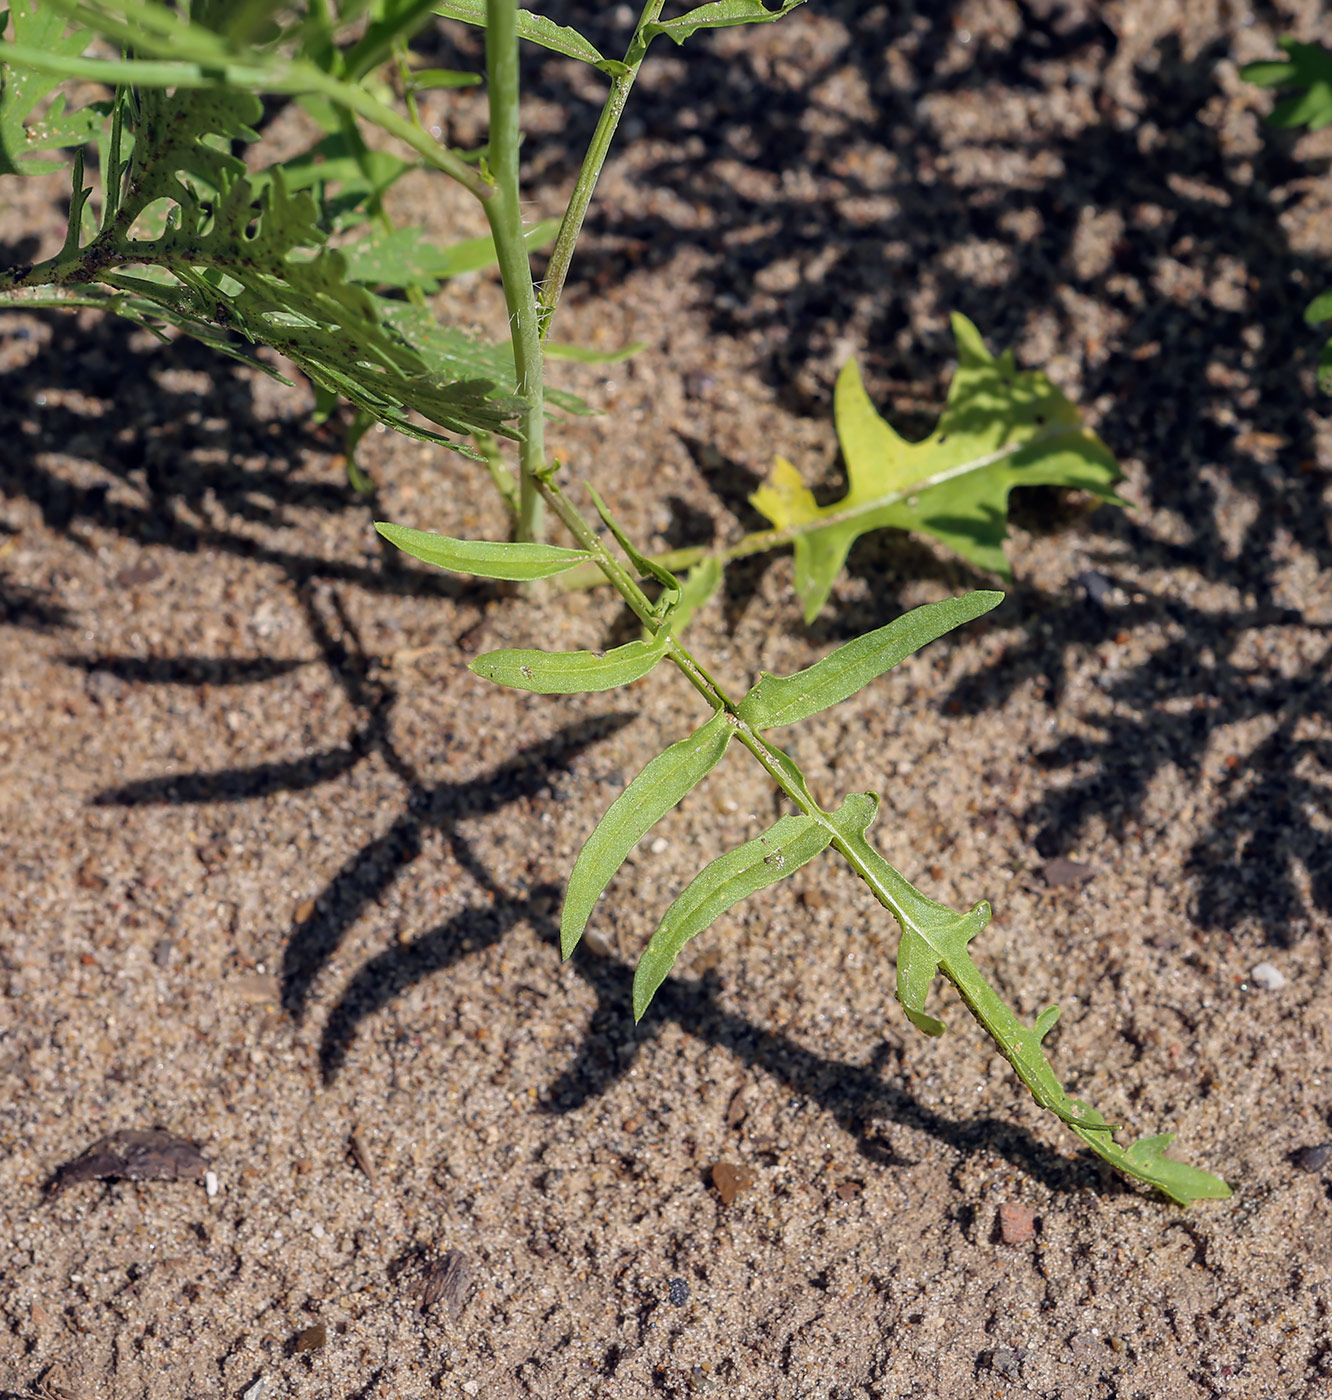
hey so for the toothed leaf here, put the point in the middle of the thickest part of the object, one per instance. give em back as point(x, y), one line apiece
point(1000, 429)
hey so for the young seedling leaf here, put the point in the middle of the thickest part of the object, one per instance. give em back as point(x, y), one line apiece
point(659, 787)
point(539, 30)
point(1307, 66)
point(792, 842)
point(720, 14)
point(571, 672)
point(778, 700)
point(1000, 429)
point(483, 558)
point(936, 939)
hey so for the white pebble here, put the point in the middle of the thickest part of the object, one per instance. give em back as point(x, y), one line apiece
point(660, 845)
point(1269, 978)
point(210, 1184)
point(317, 1231)
point(254, 1391)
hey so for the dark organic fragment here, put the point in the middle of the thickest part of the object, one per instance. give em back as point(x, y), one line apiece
point(448, 1279)
point(1313, 1158)
point(309, 1339)
point(133, 1154)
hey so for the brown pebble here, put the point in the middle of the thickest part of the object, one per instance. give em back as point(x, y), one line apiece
point(1060, 873)
point(257, 989)
point(731, 1179)
point(310, 1339)
point(849, 1190)
point(361, 1156)
point(737, 1109)
point(632, 1125)
point(304, 1166)
point(304, 911)
point(1017, 1224)
point(448, 1279)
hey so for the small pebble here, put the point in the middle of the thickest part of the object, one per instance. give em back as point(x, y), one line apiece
point(1017, 1224)
point(311, 1339)
point(730, 1179)
point(1269, 978)
point(210, 1184)
point(253, 1392)
point(678, 1291)
point(660, 845)
point(1313, 1158)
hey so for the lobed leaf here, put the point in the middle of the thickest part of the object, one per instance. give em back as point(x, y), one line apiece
point(717, 15)
point(410, 257)
point(936, 939)
point(791, 842)
point(571, 672)
point(483, 558)
point(1000, 429)
point(778, 700)
point(659, 787)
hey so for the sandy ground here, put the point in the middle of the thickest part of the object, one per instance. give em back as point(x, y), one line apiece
point(279, 876)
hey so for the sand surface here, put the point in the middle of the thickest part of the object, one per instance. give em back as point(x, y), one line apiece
point(280, 877)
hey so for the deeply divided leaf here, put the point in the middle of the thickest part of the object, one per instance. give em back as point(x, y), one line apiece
point(659, 787)
point(1000, 429)
point(1308, 67)
point(483, 558)
point(778, 700)
point(792, 842)
point(571, 672)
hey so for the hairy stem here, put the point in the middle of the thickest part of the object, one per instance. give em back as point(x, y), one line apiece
point(562, 255)
point(504, 211)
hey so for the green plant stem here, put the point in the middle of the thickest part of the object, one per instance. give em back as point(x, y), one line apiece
point(557, 270)
point(1015, 1041)
point(504, 211)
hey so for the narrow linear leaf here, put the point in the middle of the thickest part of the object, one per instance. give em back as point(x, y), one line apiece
point(1000, 429)
point(538, 30)
point(423, 79)
point(659, 787)
point(581, 354)
point(484, 558)
point(777, 700)
point(781, 851)
point(571, 672)
point(647, 568)
point(717, 15)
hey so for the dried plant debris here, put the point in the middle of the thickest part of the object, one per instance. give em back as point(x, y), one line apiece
point(133, 1154)
point(446, 1279)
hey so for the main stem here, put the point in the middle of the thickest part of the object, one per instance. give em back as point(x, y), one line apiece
point(504, 212)
point(571, 226)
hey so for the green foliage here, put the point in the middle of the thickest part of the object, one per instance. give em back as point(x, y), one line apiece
point(1000, 429)
point(520, 563)
point(1307, 67)
point(301, 257)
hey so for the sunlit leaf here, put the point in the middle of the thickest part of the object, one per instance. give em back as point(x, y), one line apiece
point(539, 30)
point(571, 672)
point(777, 700)
point(580, 354)
point(483, 558)
point(1307, 66)
point(658, 788)
point(717, 15)
point(1000, 429)
point(700, 584)
point(410, 257)
point(791, 842)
